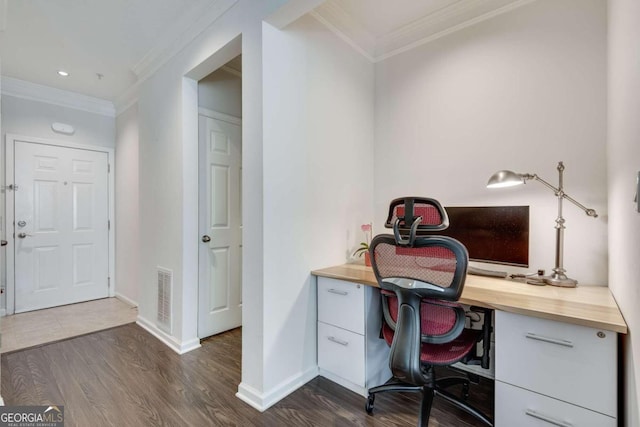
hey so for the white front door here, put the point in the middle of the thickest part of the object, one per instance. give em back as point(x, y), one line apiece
point(60, 225)
point(220, 254)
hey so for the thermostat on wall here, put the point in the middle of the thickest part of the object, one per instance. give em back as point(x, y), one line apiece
point(63, 128)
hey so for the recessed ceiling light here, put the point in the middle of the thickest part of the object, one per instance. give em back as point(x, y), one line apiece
point(63, 73)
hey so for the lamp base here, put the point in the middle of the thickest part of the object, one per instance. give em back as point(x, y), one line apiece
point(559, 280)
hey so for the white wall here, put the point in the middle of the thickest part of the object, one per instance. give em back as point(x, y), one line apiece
point(318, 179)
point(32, 118)
point(221, 91)
point(168, 189)
point(520, 91)
point(624, 164)
point(127, 220)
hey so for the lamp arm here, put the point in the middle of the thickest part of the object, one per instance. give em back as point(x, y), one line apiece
point(588, 211)
point(559, 192)
point(542, 181)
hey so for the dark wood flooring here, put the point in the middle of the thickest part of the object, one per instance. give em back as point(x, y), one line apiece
point(126, 377)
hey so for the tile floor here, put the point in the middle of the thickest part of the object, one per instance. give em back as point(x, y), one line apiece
point(33, 328)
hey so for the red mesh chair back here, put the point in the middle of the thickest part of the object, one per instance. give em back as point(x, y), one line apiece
point(434, 269)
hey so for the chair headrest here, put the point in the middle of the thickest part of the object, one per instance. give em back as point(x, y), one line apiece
point(411, 216)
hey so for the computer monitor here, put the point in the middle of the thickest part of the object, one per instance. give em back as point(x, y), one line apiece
point(492, 234)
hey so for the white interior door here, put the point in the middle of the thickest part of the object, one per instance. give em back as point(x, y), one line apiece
point(60, 225)
point(220, 282)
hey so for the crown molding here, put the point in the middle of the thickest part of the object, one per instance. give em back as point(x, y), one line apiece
point(441, 23)
point(180, 34)
point(333, 16)
point(445, 21)
point(428, 24)
point(131, 95)
point(40, 93)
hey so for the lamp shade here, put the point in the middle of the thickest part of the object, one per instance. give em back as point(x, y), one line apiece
point(505, 179)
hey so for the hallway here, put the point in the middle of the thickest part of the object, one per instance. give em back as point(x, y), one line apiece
point(25, 330)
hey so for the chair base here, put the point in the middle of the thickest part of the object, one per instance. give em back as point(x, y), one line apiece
point(427, 397)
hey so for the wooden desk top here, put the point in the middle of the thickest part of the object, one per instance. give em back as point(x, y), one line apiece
point(591, 306)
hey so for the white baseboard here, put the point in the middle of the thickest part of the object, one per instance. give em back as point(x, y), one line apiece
point(180, 347)
point(1, 401)
point(263, 401)
point(126, 300)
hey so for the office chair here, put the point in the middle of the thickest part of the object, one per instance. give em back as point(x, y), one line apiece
point(421, 278)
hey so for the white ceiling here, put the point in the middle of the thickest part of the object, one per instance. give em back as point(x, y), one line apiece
point(87, 37)
point(126, 40)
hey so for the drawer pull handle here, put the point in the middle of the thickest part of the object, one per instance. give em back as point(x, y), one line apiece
point(337, 292)
point(337, 341)
point(547, 418)
point(564, 343)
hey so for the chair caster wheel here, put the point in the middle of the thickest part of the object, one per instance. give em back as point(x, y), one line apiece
point(369, 405)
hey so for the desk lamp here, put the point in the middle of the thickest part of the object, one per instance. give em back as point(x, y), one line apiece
point(507, 178)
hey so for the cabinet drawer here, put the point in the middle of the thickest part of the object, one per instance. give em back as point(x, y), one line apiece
point(341, 304)
point(341, 353)
point(572, 363)
point(523, 408)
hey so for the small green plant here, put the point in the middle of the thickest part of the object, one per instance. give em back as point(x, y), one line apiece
point(364, 246)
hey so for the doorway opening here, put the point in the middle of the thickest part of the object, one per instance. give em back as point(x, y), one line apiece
point(211, 76)
point(220, 199)
point(59, 207)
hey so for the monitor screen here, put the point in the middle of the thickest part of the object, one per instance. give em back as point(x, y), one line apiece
point(493, 234)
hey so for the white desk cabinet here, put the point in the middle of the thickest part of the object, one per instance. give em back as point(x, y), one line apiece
point(350, 351)
point(554, 373)
point(555, 362)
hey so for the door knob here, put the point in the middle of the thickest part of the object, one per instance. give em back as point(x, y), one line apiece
point(206, 238)
point(23, 235)
point(3, 242)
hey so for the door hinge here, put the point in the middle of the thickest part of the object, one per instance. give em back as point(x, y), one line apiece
point(108, 167)
point(109, 282)
point(108, 224)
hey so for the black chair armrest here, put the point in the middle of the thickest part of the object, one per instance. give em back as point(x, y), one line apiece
point(404, 357)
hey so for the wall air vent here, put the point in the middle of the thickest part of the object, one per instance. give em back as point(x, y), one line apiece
point(165, 291)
